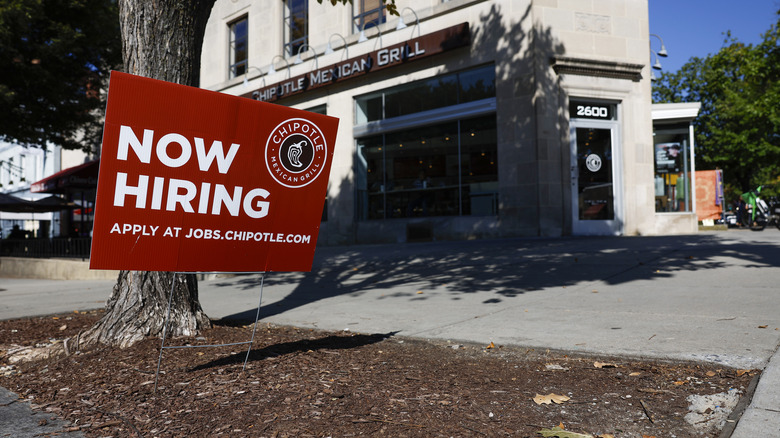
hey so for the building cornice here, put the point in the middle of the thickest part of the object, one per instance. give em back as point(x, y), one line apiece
point(598, 68)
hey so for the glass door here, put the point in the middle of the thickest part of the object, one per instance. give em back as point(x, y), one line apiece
point(595, 178)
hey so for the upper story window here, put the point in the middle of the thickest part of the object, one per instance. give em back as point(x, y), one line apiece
point(239, 47)
point(296, 26)
point(367, 13)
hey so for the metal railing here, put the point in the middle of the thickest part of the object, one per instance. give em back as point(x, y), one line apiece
point(58, 247)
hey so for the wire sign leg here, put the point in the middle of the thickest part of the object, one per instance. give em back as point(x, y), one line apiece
point(257, 318)
point(167, 321)
point(165, 330)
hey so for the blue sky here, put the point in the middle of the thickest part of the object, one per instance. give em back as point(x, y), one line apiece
point(697, 27)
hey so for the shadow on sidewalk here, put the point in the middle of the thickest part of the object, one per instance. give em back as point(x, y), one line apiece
point(502, 269)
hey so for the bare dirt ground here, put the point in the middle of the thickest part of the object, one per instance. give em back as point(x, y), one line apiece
point(300, 382)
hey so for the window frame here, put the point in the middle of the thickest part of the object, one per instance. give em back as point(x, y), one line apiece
point(672, 178)
point(359, 14)
point(237, 68)
point(290, 45)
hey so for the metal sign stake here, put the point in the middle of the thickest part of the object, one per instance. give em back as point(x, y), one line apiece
point(167, 319)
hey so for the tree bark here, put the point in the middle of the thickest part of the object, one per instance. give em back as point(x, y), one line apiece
point(137, 309)
point(161, 39)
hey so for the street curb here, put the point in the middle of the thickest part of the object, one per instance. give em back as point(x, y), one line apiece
point(758, 418)
point(736, 415)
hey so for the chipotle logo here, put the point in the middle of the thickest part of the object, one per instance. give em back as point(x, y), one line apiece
point(295, 153)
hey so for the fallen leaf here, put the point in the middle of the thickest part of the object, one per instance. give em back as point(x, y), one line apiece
point(711, 373)
point(492, 345)
point(63, 327)
point(741, 373)
point(554, 367)
point(635, 374)
point(560, 433)
point(763, 326)
point(419, 292)
point(679, 383)
point(550, 398)
point(604, 365)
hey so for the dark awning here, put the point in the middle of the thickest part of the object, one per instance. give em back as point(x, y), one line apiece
point(74, 179)
point(13, 204)
point(54, 203)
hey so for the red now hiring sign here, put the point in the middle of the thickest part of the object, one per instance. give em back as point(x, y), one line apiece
point(197, 181)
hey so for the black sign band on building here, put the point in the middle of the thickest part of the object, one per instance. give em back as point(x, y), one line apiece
point(591, 110)
point(397, 54)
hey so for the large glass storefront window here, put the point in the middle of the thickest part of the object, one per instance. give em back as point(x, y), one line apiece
point(447, 169)
point(415, 168)
point(672, 169)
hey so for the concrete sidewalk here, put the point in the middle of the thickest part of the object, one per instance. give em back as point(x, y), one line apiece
point(706, 297)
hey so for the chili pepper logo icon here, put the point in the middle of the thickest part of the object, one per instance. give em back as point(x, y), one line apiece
point(294, 153)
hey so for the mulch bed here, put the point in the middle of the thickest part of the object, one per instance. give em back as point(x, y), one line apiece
point(301, 382)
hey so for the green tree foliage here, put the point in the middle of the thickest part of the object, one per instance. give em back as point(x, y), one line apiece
point(738, 128)
point(55, 56)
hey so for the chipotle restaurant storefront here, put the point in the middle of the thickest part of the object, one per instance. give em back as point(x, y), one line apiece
point(463, 119)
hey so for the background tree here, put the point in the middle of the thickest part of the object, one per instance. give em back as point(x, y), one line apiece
point(55, 56)
point(737, 128)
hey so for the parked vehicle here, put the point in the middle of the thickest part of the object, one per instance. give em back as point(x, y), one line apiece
point(729, 219)
point(760, 213)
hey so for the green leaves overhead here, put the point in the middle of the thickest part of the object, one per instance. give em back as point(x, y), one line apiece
point(737, 128)
point(55, 56)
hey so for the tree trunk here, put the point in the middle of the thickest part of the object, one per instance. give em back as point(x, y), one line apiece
point(138, 306)
point(161, 39)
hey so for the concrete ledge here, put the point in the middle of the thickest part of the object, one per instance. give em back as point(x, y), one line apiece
point(52, 269)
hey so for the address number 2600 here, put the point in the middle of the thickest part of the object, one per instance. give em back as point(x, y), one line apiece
point(592, 111)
